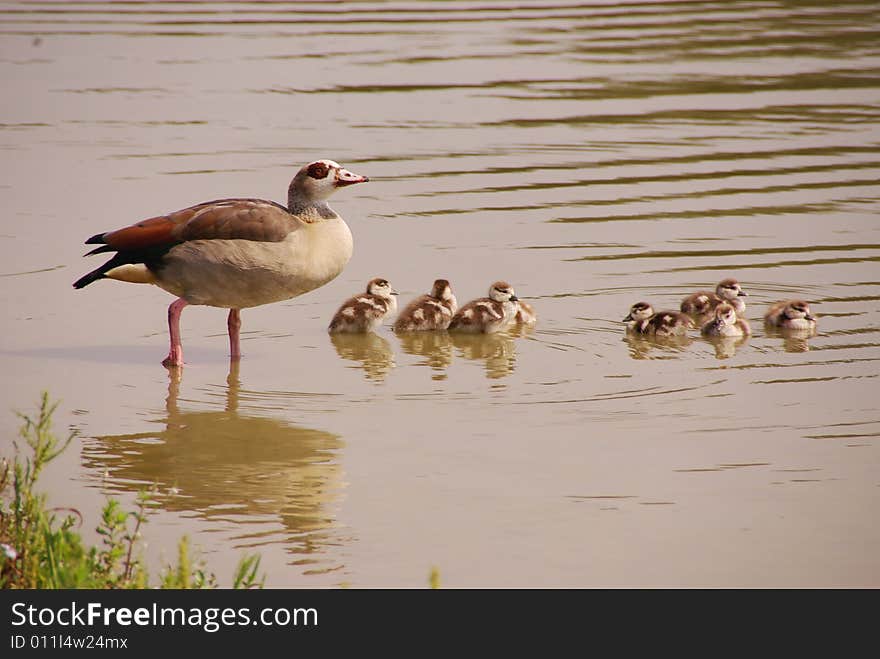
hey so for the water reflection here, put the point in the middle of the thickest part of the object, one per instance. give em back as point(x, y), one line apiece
point(497, 350)
point(656, 347)
point(235, 470)
point(793, 340)
point(371, 351)
point(435, 347)
point(520, 330)
point(600, 152)
point(726, 346)
point(375, 355)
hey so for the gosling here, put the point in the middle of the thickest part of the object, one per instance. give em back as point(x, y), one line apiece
point(703, 303)
point(790, 314)
point(725, 323)
point(487, 315)
point(364, 313)
point(433, 311)
point(643, 321)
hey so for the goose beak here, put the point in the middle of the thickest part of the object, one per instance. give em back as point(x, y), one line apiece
point(345, 177)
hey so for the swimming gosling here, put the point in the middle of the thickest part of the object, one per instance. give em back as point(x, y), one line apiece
point(703, 303)
point(643, 321)
point(790, 314)
point(725, 323)
point(486, 315)
point(432, 311)
point(364, 313)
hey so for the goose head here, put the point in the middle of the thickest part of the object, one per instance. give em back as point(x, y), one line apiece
point(318, 180)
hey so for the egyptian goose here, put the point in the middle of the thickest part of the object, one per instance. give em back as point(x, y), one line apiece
point(432, 311)
point(703, 303)
point(642, 320)
point(364, 313)
point(235, 253)
point(790, 314)
point(725, 323)
point(486, 315)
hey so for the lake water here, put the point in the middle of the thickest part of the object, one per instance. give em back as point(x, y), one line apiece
point(593, 155)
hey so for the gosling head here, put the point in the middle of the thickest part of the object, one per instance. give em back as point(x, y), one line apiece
point(724, 315)
point(638, 312)
point(729, 289)
point(441, 290)
point(798, 309)
point(501, 291)
point(381, 288)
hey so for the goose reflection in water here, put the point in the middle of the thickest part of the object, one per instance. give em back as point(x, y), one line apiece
point(793, 340)
point(726, 346)
point(243, 472)
point(435, 347)
point(656, 347)
point(371, 351)
point(498, 350)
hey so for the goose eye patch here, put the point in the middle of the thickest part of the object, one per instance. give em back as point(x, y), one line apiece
point(318, 170)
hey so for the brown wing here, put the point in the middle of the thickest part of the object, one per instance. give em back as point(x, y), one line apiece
point(423, 313)
point(413, 305)
point(363, 307)
point(245, 219)
point(701, 302)
point(149, 240)
point(775, 311)
point(476, 313)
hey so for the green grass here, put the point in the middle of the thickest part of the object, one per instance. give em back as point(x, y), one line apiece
point(41, 547)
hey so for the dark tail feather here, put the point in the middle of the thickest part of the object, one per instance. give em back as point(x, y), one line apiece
point(100, 250)
point(94, 275)
point(98, 238)
point(99, 273)
point(150, 256)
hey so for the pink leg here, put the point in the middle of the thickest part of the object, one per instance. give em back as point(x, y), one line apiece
point(175, 353)
point(233, 323)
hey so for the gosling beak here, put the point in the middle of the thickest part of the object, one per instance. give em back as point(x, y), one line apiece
point(514, 298)
point(742, 293)
point(810, 316)
point(628, 318)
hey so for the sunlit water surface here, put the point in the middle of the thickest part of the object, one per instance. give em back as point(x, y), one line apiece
point(593, 155)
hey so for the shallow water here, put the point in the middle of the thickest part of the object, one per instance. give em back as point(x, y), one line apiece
point(593, 155)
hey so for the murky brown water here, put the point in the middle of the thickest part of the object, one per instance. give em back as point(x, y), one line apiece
point(593, 155)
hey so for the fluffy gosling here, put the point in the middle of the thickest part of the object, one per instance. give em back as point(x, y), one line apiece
point(703, 303)
point(433, 311)
point(642, 320)
point(725, 323)
point(790, 314)
point(364, 313)
point(486, 315)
